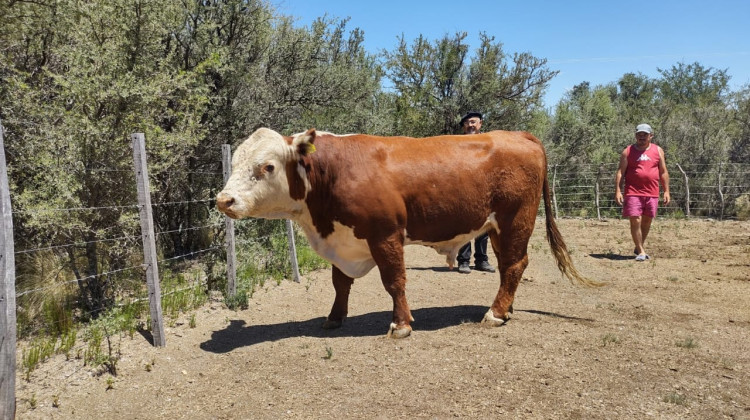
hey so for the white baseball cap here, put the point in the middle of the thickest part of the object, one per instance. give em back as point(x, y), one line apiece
point(644, 128)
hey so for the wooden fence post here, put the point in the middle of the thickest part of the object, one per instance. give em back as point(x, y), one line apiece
point(721, 193)
point(292, 250)
point(226, 166)
point(7, 296)
point(687, 191)
point(149, 239)
point(596, 193)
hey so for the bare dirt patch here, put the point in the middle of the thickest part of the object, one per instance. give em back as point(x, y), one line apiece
point(666, 338)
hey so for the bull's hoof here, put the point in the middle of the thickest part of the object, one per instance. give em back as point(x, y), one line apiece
point(396, 332)
point(491, 321)
point(330, 324)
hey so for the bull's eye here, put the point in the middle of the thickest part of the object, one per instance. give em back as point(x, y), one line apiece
point(269, 168)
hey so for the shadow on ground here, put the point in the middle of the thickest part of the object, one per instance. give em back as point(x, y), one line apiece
point(238, 334)
point(613, 257)
point(441, 269)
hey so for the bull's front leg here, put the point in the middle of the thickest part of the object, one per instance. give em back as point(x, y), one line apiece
point(388, 254)
point(342, 284)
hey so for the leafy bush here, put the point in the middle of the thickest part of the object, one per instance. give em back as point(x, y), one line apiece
point(742, 206)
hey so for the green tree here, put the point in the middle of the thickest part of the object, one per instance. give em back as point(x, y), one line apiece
point(425, 79)
point(72, 93)
point(436, 82)
point(586, 127)
point(636, 98)
point(739, 150)
point(693, 116)
point(507, 89)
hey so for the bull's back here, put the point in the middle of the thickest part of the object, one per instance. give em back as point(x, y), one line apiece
point(431, 170)
point(438, 188)
point(451, 185)
point(408, 161)
point(511, 164)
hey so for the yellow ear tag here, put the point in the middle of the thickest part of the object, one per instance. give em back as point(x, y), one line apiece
point(310, 148)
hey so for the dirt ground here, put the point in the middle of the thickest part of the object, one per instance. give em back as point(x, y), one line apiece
point(668, 338)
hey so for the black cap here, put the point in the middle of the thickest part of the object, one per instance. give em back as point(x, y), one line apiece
point(469, 115)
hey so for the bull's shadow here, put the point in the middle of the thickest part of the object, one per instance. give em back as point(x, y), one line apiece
point(239, 334)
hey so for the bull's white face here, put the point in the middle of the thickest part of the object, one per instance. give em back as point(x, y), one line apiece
point(258, 186)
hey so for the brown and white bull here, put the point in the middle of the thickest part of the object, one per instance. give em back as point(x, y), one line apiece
point(360, 199)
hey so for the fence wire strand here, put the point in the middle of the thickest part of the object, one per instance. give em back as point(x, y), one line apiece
point(93, 276)
point(26, 251)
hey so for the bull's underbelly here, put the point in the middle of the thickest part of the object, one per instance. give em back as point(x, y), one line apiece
point(353, 257)
point(450, 247)
point(341, 248)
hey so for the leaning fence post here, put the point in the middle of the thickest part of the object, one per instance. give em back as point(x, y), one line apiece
point(149, 239)
point(292, 250)
point(226, 167)
point(687, 191)
point(7, 297)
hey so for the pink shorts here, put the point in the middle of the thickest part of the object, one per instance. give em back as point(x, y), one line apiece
point(634, 206)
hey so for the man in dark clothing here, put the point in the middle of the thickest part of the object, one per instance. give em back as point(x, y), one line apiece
point(471, 123)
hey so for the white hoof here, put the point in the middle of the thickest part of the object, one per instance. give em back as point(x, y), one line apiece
point(395, 332)
point(491, 321)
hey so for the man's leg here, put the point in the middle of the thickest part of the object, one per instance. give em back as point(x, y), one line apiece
point(463, 257)
point(480, 248)
point(635, 232)
point(481, 262)
point(649, 213)
point(645, 227)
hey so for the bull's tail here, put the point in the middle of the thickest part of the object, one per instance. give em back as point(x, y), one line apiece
point(559, 249)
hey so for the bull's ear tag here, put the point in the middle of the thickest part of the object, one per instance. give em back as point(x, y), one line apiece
point(310, 149)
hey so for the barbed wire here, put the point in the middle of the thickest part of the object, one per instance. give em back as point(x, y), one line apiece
point(93, 276)
point(26, 251)
point(131, 206)
point(192, 172)
point(190, 228)
point(60, 284)
point(169, 203)
point(190, 253)
point(255, 239)
point(49, 210)
point(171, 292)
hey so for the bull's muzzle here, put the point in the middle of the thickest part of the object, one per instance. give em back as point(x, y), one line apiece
point(224, 202)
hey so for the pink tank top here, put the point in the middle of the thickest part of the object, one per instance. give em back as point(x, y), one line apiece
point(642, 174)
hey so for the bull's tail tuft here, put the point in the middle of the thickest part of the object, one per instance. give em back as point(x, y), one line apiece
point(559, 249)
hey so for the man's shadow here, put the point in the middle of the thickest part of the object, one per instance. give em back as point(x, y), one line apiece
point(238, 334)
point(611, 256)
point(440, 269)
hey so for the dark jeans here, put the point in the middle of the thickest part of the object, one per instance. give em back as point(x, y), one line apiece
point(480, 251)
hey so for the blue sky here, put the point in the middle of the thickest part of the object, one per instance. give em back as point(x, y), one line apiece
point(594, 41)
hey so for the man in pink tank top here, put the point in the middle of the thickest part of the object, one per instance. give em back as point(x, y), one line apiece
point(642, 167)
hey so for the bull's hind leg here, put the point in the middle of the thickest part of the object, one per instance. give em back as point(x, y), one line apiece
point(510, 248)
point(388, 254)
point(342, 284)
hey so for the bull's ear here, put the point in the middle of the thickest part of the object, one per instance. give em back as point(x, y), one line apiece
point(304, 142)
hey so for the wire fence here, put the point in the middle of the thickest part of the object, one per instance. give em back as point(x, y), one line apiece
point(581, 190)
point(78, 245)
point(718, 191)
point(98, 269)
